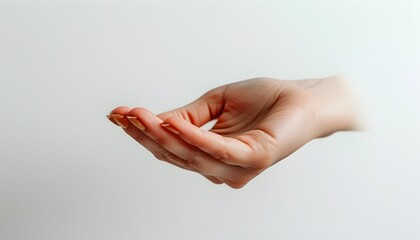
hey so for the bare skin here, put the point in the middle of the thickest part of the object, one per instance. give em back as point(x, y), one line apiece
point(259, 122)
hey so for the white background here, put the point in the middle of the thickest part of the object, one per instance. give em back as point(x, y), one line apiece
point(66, 172)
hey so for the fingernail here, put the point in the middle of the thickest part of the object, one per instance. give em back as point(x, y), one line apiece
point(120, 119)
point(110, 118)
point(170, 128)
point(136, 122)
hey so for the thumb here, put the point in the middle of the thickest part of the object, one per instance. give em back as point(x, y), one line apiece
point(206, 108)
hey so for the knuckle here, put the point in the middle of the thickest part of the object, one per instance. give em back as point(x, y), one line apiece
point(160, 156)
point(221, 155)
point(190, 157)
point(186, 164)
point(171, 158)
point(190, 162)
point(183, 163)
point(261, 162)
point(237, 184)
point(139, 137)
point(260, 79)
point(160, 141)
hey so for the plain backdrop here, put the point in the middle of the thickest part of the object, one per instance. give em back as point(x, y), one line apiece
point(66, 172)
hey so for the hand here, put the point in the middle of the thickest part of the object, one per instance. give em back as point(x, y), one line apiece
point(259, 122)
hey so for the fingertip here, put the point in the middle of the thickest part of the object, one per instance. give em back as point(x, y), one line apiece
point(119, 113)
point(137, 111)
point(110, 118)
point(136, 122)
point(120, 110)
point(121, 120)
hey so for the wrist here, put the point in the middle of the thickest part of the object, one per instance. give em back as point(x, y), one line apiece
point(335, 107)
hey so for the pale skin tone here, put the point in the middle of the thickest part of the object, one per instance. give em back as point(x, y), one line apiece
point(259, 122)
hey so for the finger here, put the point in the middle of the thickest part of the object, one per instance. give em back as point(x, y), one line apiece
point(110, 118)
point(235, 177)
point(213, 179)
point(230, 183)
point(158, 151)
point(193, 157)
point(202, 110)
point(116, 116)
point(247, 150)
